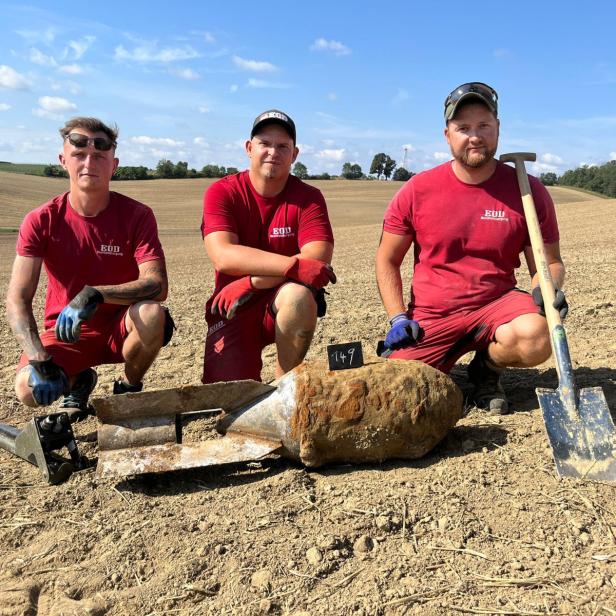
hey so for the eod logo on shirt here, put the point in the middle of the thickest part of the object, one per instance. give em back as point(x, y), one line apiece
point(281, 232)
point(110, 249)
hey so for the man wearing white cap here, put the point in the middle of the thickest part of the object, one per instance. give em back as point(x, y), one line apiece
point(269, 237)
point(466, 222)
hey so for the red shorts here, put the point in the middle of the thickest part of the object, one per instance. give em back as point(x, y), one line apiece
point(99, 343)
point(233, 348)
point(446, 339)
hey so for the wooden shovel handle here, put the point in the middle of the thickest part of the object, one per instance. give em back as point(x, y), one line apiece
point(536, 239)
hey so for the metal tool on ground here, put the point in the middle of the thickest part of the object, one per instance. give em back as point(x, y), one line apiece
point(382, 410)
point(578, 421)
point(38, 443)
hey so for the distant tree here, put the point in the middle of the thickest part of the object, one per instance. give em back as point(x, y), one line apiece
point(131, 173)
point(180, 170)
point(231, 170)
point(300, 171)
point(352, 171)
point(382, 165)
point(402, 175)
point(165, 168)
point(213, 171)
point(55, 171)
point(548, 179)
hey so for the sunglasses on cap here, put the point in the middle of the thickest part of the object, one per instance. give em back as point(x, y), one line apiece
point(82, 141)
point(468, 90)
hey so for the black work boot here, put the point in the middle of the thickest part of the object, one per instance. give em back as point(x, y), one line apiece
point(122, 387)
point(489, 393)
point(76, 401)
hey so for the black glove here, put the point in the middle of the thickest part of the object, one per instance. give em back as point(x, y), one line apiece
point(560, 302)
point(404, 332)
point(81, 308)
point(48, 381)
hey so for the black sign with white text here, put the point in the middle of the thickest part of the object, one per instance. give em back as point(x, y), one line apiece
point(345, 356)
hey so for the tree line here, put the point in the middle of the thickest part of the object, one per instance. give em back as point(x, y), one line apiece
point(600, 179)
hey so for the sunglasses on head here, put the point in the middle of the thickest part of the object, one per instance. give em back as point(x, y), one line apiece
point(474, 87)
point(82, 141)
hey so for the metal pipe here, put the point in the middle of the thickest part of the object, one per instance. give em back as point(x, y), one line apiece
point(8, 434)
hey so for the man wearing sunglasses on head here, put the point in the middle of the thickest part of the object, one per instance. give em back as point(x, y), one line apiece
point(106, 276)
point(466, 223)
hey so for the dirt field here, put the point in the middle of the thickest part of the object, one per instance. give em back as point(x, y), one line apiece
point(480, 526)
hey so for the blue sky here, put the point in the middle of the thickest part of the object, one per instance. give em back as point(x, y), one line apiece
point(185, 80)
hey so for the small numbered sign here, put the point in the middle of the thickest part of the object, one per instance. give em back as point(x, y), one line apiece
point(345, 356)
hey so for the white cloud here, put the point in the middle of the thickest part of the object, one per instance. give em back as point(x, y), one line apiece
point(332, 96)
point(53, 107)
point(331, 154)
point(68, 86)
point(612, 155)
point(328, 143)
point(37, 36)
point(551, 159)
point(543, 168)
point(336, 47)
point(203, 109)
point(150, 53)
point(71, 69)
point(305, 148)
point(200, 141)
point(441, 156)
point(4, 107)
point(10, 78)
point(208, 37)
point(401, 96)
point(38, 57)
point(186, 73)
point(76, 49)
point(234, 88)
point(261, 83)
point(254, 65)
point(158, 141)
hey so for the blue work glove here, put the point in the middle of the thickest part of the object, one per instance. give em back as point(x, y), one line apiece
point(560, 302)
point(48, 381)
point(404, 332)
point(81, 308)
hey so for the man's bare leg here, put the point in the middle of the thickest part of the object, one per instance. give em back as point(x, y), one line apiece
point(522, 343)
point(145, 323)
point(296, 319)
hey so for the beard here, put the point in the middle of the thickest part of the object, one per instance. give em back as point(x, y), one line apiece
point(475, 160)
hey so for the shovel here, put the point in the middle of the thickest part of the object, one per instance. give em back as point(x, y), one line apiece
point(578, 422)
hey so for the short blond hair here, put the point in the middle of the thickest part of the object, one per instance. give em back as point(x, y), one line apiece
point(92, 124)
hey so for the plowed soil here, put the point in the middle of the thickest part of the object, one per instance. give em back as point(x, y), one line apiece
point(482, 525)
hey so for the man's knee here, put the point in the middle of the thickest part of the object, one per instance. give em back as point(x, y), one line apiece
point(296, 299)
point(22, 389)
point(147, 321)
point(529, 335)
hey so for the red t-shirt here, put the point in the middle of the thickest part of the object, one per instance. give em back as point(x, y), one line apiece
point(467, 238)
point(78, 250)
point(280, 224)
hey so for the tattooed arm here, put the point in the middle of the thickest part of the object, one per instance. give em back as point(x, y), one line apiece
point(22, 287)
point(151, 284)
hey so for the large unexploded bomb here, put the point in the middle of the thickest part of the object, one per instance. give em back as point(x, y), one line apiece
point(384, 409)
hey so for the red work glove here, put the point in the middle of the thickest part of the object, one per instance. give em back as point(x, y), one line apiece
point(311, 272)
point(232, 297)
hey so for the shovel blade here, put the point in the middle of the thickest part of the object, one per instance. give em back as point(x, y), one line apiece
point(173, 456)
point(583, 439)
